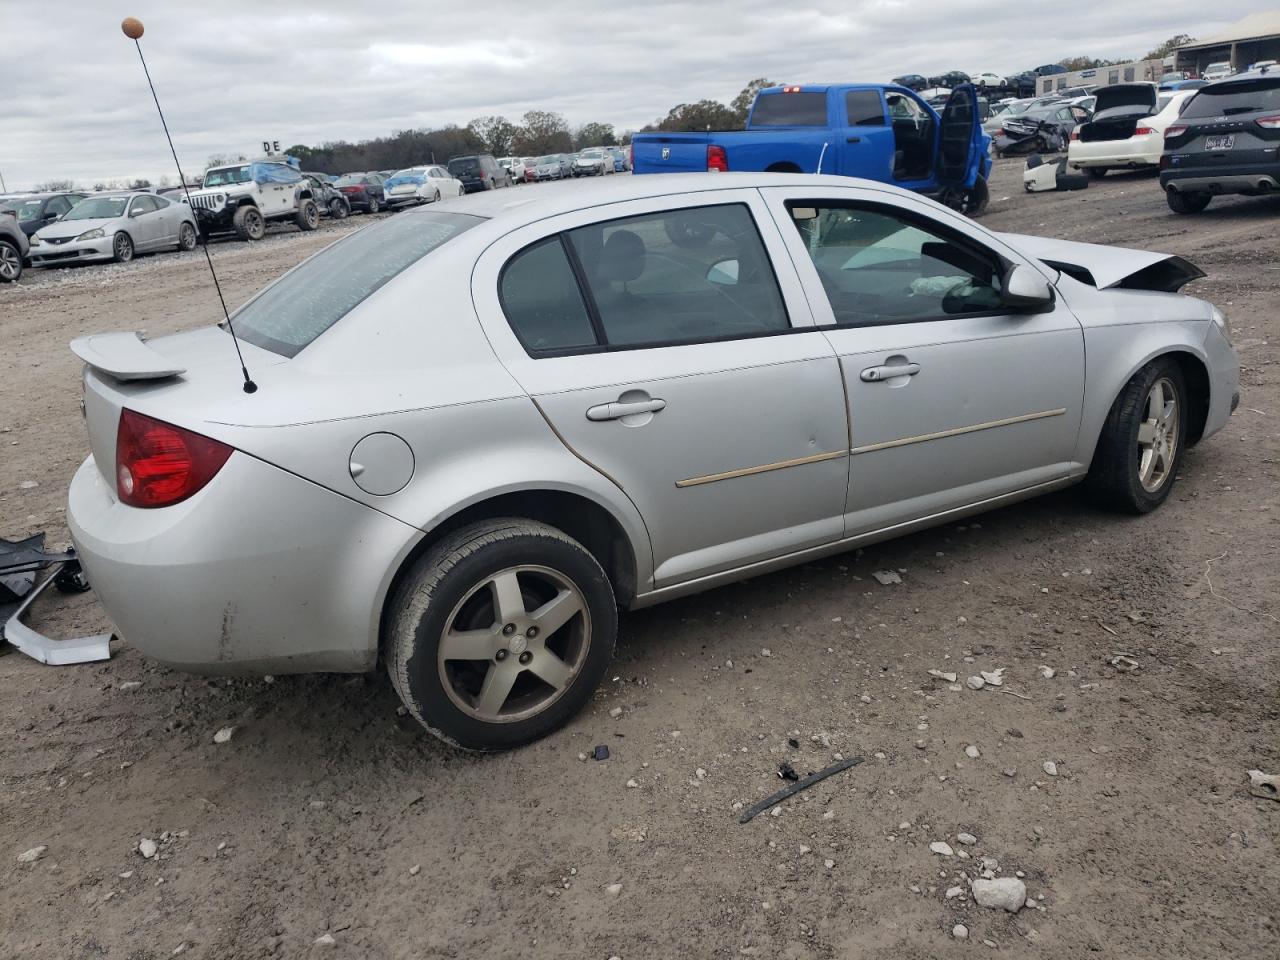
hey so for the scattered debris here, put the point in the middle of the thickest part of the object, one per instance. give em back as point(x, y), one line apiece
point(941, 848)
point(960, 931)
point(1050, 768)
point(224, 735)
point(953, 892)
point(325, 940)
point(615, 713)
point(147, 848)
point(796, 787)
point(632, 784)
point(975, 683)
point(700, 773)
point(1261, 784)
point(968, 839)
point(993, 678)
point(600, 753)
point(128, 685)
point(1010, 771)
point(766, 652)
point(972, 752)
point(886, 577)
point(1124, 662)
point(32, 855)
point(943, 675)
point(613, 889)
point(793, 743)
point(1002, 893)
point(1047, 673)
point(787, 772)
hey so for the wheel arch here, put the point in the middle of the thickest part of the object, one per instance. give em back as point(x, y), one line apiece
point(783, 166)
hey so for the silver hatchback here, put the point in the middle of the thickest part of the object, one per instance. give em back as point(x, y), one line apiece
point(485, 427)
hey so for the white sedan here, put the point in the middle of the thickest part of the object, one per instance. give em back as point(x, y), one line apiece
point(1127, 129)
point(484, 427)
point(987, 79)
point(420, 185)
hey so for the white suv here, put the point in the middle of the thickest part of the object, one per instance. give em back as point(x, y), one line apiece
point(241, 198)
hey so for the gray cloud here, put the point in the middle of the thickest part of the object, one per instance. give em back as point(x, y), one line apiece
point(232, 73)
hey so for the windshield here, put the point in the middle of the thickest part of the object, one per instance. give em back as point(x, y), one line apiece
point(27, 209)
point(1241, 96)
point(306, 302)
point(97, 208)
point(547, 161)
point(467, 165)
point(591, 154)
point(224, 175)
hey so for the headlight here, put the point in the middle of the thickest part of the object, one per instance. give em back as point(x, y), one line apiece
point(35, 240)
point(1223, 323)
point(95, 234)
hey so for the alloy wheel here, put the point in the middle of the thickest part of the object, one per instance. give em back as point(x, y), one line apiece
point(1158, 436)
point(123, 247)
point(10, 262)
point(514, 644)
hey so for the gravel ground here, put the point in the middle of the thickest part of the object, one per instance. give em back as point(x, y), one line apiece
point(330, 826)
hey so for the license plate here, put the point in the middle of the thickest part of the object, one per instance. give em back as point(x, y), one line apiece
point(1219, 143)
point(402, 188)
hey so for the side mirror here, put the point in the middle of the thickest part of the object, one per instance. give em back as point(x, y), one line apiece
point(1026, 291)
point(136, 212)
point(724, 273)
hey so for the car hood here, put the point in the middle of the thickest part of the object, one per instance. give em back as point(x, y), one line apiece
point(1134, 97)
point(1109, 267)
point(61, 229)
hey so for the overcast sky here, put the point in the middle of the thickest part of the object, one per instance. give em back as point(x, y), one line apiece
point(232, 73)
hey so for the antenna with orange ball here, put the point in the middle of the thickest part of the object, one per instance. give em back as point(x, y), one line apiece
point(133, 29)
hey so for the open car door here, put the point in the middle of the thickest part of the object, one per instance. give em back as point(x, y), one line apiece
point(959, 158)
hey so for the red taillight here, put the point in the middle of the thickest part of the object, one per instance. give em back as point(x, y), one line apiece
point(717, 162)
point(1177, 130)
point(1143, 132)
point(790, 89)
point(158, 464)
point(1269, 123)
point(1075, 134)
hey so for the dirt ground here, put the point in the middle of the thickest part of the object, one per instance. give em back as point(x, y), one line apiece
point(328, 813)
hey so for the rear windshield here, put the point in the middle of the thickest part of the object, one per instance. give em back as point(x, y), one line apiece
point(305, 303)
point(790, 110)
point(467, 165)
point(1227, 99)
point(350, 180)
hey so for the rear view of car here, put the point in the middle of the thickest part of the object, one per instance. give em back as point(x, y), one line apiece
point(1226, 141)
point(474, 173)
point(1127, 131)
point(408, 186)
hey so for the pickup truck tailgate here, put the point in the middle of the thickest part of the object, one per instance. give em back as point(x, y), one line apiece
point(670, 152)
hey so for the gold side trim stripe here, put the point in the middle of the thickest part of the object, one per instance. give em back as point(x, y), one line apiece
point(763, 468)
point(989, 425)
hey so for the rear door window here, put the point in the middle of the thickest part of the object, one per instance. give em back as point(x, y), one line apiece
point(306, 302)
point(805, 109)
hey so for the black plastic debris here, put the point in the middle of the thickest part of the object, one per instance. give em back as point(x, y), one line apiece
point(794, 788)
point(601, 752)
point(787, 772)
point(793, 743)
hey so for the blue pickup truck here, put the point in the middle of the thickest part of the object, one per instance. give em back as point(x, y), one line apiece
point(876, 131)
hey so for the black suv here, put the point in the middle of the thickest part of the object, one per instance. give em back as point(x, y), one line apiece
point(479, 173)
point(1226, 141)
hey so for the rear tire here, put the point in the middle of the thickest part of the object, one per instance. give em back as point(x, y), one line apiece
point(482, 592)
point(374, 205)
point(248, 223)
point(338, 209)
point(1140, 448)
point(1097, 172)
point(307, 216)
point(187, 237)
point(10, 262)
point(1187, 202)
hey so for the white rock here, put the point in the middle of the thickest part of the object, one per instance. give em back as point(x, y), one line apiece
point(766, 652)
point(943, 675)
point(960, 931)
point(700, 773)
point(224, 735)
point(968, 839)
point(828, 864)
point(1003, 893)
point(326, 940)
point(864, 698)
point(1047, 673)
point(616, 712)
point(975, 683)
point(953, 892)
point(941, 847)
point(129, 685)
point(126, 875)
point(28, 485)
point(904, 826)
point(994, 678)
point(1050, 768)
point(632, 784)
point(613, 889)
point(776, 811)
point(972, 752)
point(803, 849)
point(147, 848)
point(415, 870)
point(32, 855)
point(886, 577)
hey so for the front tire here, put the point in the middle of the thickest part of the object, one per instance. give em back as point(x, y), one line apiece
point(1136, 461)
point(1187, 202)
point(307, 216)
point(338, 209)
point(122, 248)
point(10, 262)
point(249, 223)
point(499, 634)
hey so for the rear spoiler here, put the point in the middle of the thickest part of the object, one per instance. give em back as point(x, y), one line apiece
point(1119, 268)
point(124, 356)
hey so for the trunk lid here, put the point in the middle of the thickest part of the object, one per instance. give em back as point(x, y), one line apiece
point(1117, 110)
point(670, 152)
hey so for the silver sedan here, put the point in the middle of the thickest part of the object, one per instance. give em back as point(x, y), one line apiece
point(484, 427)
point(114, 227)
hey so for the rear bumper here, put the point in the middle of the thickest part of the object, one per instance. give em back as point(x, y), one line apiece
point(1248, 178)
point(259, 572)
point(1131, 152)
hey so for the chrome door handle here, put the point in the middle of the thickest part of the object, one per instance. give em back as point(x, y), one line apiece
point(888, 371)
point(618, 409)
